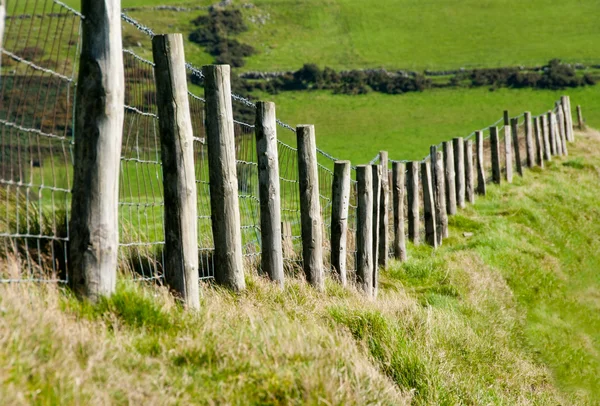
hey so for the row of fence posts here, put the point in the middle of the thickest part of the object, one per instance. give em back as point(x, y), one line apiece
point(447, 180)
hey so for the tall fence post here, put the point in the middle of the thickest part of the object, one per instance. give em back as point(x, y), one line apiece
point(412, 192)
point(556, 133)
point(340, 201)
point(450, 178)
point(398, 188)
point(377, 175)
point(539, 142)
point(514, 129)
point(441, 216)
point(566, 104)
point(481, 187)
point(529, 144)
point(546, 137)
point(495, 145)
point(269, 191)
point(469, 175)
point(310, 207)
point(179, 178)
point(459, 170)
point(94, 226)
point(224, 201)
point(508, 148)
point(562, 127)
point(384, 219)
point(364, 229)
point(580, 121)
point(551, 133)
point(428, 205)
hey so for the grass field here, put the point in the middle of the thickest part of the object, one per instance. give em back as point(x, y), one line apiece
point(506, 312)
point(357, 127)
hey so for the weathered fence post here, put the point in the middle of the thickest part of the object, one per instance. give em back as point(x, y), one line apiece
point(508, 148)
point(562, 127)
point(2, 23)
point(399, 185)
point(94, 226)
point(546, 137)
point(459, 171)
point(450, 178)
point(224, 201)
point(310, 207)
point(529, 140)
point(441, 216)
point(580, 121)
point(556, 134)
point(287, 240)
point(428, 205)
point(364, 229)
point(412, 192)
point(377, 175)
point(179, 178)
point(480, 163)
point(495, 145)
point(514, 129)
point(566, 104)
point(269, 191)
point(340, 201)
point(469, 175)
point(539, 143)
point(384, 220)
point(551, 133)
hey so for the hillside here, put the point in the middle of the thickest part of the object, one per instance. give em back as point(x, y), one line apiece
point(506, 312)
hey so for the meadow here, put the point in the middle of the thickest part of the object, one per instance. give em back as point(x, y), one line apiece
point(505, 312)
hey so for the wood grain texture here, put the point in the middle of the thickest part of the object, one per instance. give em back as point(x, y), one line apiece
point(384, 217)
point(224, 200)
point(179, 178)
point(310, 207)
point(539, 142)
point(545, 137)
point(93, 228)
point(529, 142)
point(459, 170)
point(269, 191)
point(340, 201)
point(508, 150)
point(412, 193)
point(428, 205)
point(469, 173)
point(364, 229)
point(398, 192)
point(450, 177)
point(514, 130)
point(495, 154)
point(377, 175)
point(439, 194)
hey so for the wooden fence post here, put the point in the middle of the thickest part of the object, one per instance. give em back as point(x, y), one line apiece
point(340, 201)
point(551, 134)
point(269, 192)
point(450, 178)
point(495, 145)
point(508, 148)
point(546, 137)
point(562, 127)
point(412, 192)
point(179, 178)
point(287, 240)
point(539, 143)
point(529, 140)
point(459, 171)
point(580, 121)
point(481, 188)
point(566, 103)
point(469, 175)
point(384, 220)
point(428, 205)
point(377, 175)
point(364, 229)
point(556, 134)
point(514, 129)
point(399, 186)
point(310, 207)
point(94, 225)
point(441, 216)
point(224, 201)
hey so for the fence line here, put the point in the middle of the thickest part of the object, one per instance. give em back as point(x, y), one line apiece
point(36, 161)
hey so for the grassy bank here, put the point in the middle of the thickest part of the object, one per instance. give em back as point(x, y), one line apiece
point(506, 312)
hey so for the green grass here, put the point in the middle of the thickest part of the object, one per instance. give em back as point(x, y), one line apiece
point(505, 312)
point(358, 127)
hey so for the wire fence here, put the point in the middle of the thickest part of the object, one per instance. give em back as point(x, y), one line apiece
point(37, 100)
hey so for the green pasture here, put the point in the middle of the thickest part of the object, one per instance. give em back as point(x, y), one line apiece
point(357, 127)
